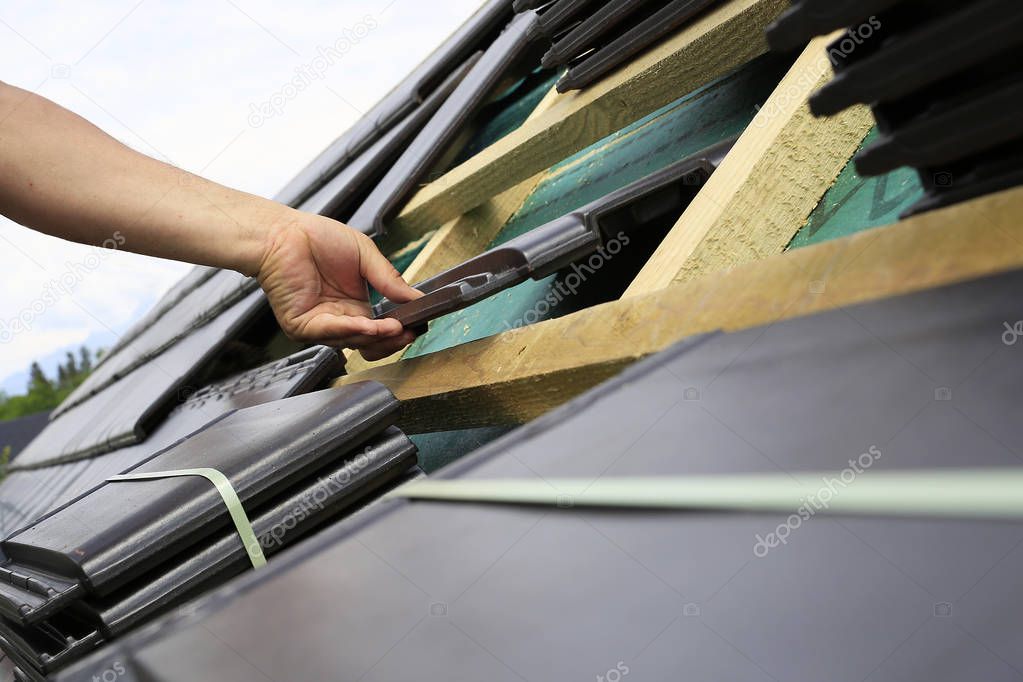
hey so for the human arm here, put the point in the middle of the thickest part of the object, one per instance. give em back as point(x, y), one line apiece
point(61, 175)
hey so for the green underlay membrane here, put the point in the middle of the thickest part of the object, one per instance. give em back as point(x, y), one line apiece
point(856, 203)
point(698, 120)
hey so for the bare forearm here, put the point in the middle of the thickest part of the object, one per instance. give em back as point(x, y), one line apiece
point(61, 175)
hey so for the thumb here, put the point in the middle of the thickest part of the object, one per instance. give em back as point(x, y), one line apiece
point(378, 271)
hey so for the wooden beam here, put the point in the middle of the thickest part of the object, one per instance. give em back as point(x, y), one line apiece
point(719, 41)
point(769, 184)
point(519, 374)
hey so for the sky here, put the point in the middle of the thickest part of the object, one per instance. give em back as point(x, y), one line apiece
point(184, 81)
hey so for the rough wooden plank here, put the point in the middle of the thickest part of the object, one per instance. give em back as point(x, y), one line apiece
point(517, 375)
point(767, 186)
point(857, 203)
point(719, 41)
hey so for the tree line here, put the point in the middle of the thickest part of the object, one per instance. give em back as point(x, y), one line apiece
point(44, 392)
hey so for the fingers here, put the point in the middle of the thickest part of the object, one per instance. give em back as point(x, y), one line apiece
point(357, 331)
point(372, 348)
point(379, 272)
point(381, 349)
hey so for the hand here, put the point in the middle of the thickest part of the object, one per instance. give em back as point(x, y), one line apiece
point(314, 271)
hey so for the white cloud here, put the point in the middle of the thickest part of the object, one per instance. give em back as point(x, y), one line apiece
point(175, 79)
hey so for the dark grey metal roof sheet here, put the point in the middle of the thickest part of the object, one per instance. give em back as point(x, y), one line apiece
point(469, 592)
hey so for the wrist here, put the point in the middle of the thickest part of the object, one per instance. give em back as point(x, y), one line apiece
point(257, 234)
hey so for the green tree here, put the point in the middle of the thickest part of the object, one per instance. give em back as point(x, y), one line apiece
point(44, 393)
point(84, 361)
point(37, 379)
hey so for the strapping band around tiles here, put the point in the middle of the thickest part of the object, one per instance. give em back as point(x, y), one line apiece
point(962, 493)
point(227, 492)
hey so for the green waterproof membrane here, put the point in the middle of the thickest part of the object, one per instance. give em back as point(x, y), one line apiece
point(856, 203)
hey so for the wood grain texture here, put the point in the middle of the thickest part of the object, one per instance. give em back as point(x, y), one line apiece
point(517, 375)
point(767, 187)
point(719, 41)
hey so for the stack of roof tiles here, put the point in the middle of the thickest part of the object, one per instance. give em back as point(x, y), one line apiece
point(942, 79)
point(89, 558)
point(594, 38)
